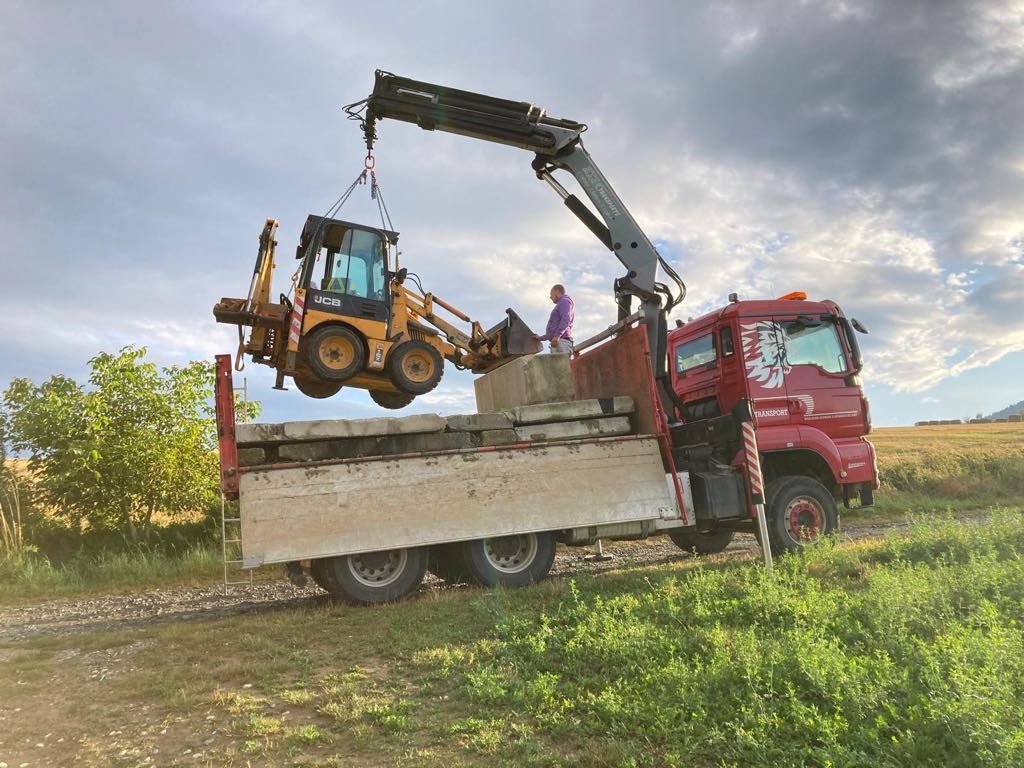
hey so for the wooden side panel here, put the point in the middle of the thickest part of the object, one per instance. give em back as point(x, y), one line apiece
point(318, 511)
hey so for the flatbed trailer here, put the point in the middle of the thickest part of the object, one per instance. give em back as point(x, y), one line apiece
point(367, 528)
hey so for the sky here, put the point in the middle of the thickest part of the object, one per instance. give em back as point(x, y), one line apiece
point(867, 152)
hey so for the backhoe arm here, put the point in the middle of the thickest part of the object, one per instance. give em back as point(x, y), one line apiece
point(557, 146)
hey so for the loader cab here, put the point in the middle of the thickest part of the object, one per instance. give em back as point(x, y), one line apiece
point(345, 268)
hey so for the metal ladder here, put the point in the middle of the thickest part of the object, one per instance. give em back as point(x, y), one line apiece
point(233, 545)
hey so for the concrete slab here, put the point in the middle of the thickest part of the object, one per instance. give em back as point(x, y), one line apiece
point(573, 410)
point(299, 431)
point(251, 457)
point(525, 381)
point(498, 437)
point(479, 422)
point(385, 445)
point(574, 430)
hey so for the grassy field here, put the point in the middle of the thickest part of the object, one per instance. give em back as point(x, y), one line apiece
point(896, 652)
point(971, 466)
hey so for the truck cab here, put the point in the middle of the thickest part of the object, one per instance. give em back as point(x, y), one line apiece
point(799, 363)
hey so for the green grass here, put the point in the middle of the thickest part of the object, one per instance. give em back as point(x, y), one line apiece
point(903, 651)
point(117, 572)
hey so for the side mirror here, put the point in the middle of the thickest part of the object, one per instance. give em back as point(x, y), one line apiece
point(400, 275)
point(858, 325)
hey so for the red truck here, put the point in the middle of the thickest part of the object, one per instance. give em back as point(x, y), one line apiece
point(692, 466)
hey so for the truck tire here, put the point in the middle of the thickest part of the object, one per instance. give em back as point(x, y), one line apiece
point(335, 352)
point(392, 400)
point(320, 571)
point(800, 510)
point(509, 561)
point(697, 542)
point(377, 577)
point(446, 562)
point(313, 387)
point(415, 367)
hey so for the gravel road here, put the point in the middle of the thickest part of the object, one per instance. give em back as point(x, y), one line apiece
point(72, 616)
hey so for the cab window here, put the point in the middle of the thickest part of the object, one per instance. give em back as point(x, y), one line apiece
point(814, 345)
point(355, 266)
point(696, 353)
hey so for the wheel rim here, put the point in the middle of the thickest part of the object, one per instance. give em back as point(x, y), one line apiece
point(418, 366)
point(378, 569)
point(511, 554)
point(805, 519)
point(337, 352)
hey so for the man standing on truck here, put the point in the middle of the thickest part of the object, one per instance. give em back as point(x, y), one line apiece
point(559, 330)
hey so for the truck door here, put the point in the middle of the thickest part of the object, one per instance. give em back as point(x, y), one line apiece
point(816, 371)
point(762, 342)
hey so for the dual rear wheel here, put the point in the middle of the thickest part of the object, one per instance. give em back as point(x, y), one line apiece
point(383, 577)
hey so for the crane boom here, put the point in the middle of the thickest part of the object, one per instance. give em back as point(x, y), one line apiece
point(557, 146)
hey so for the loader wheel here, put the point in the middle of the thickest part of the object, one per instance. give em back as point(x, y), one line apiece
point(393, 400)
point(415, 367)
point(800, 511)
point(447, 563)
point(509, 561)
point(335, 352)
point(377, 577)
point(312, 387)
point(709, 542)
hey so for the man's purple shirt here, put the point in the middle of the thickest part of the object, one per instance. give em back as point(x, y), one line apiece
point(560, 322)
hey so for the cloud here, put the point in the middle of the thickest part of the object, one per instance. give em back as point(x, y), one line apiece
point(868, 152)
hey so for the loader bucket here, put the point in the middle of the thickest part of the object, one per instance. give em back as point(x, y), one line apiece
point(515, 336)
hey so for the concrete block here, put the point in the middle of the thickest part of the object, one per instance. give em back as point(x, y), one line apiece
point(479, 422)
point(498, 437)
point(573, 410)
point(382, 445)
point(258, 433)
point(251, 457)
point(525, 381)
point(574, 430)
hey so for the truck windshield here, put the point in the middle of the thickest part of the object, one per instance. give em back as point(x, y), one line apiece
point(695, 353)
point(814, 345)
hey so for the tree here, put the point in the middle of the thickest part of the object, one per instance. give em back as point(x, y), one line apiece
point(138, 440)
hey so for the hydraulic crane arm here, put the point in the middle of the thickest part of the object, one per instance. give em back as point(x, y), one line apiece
point(557, 145)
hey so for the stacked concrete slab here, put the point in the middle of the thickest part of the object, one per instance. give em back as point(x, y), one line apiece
point(525, 381)
point(304, 441)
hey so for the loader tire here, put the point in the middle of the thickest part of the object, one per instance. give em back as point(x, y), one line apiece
point(377, 577)
point(335, 353)
point(800, 511)
point(313, 387)
point(415, 367)
point(447, 563)
point(509, 561)
point(707, 542)
point(392, 400)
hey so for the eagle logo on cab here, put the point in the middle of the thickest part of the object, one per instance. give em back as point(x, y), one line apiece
point(764, 353)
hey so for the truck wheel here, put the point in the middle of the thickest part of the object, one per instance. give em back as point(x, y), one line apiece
point(447, 563)
point(800, 511)
point(335, 352)
point(707, 542)
point(415, 367)
point(509, 561)
point(312, 387)
point(321, 572)
point(377, 577)
point(393, 400)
